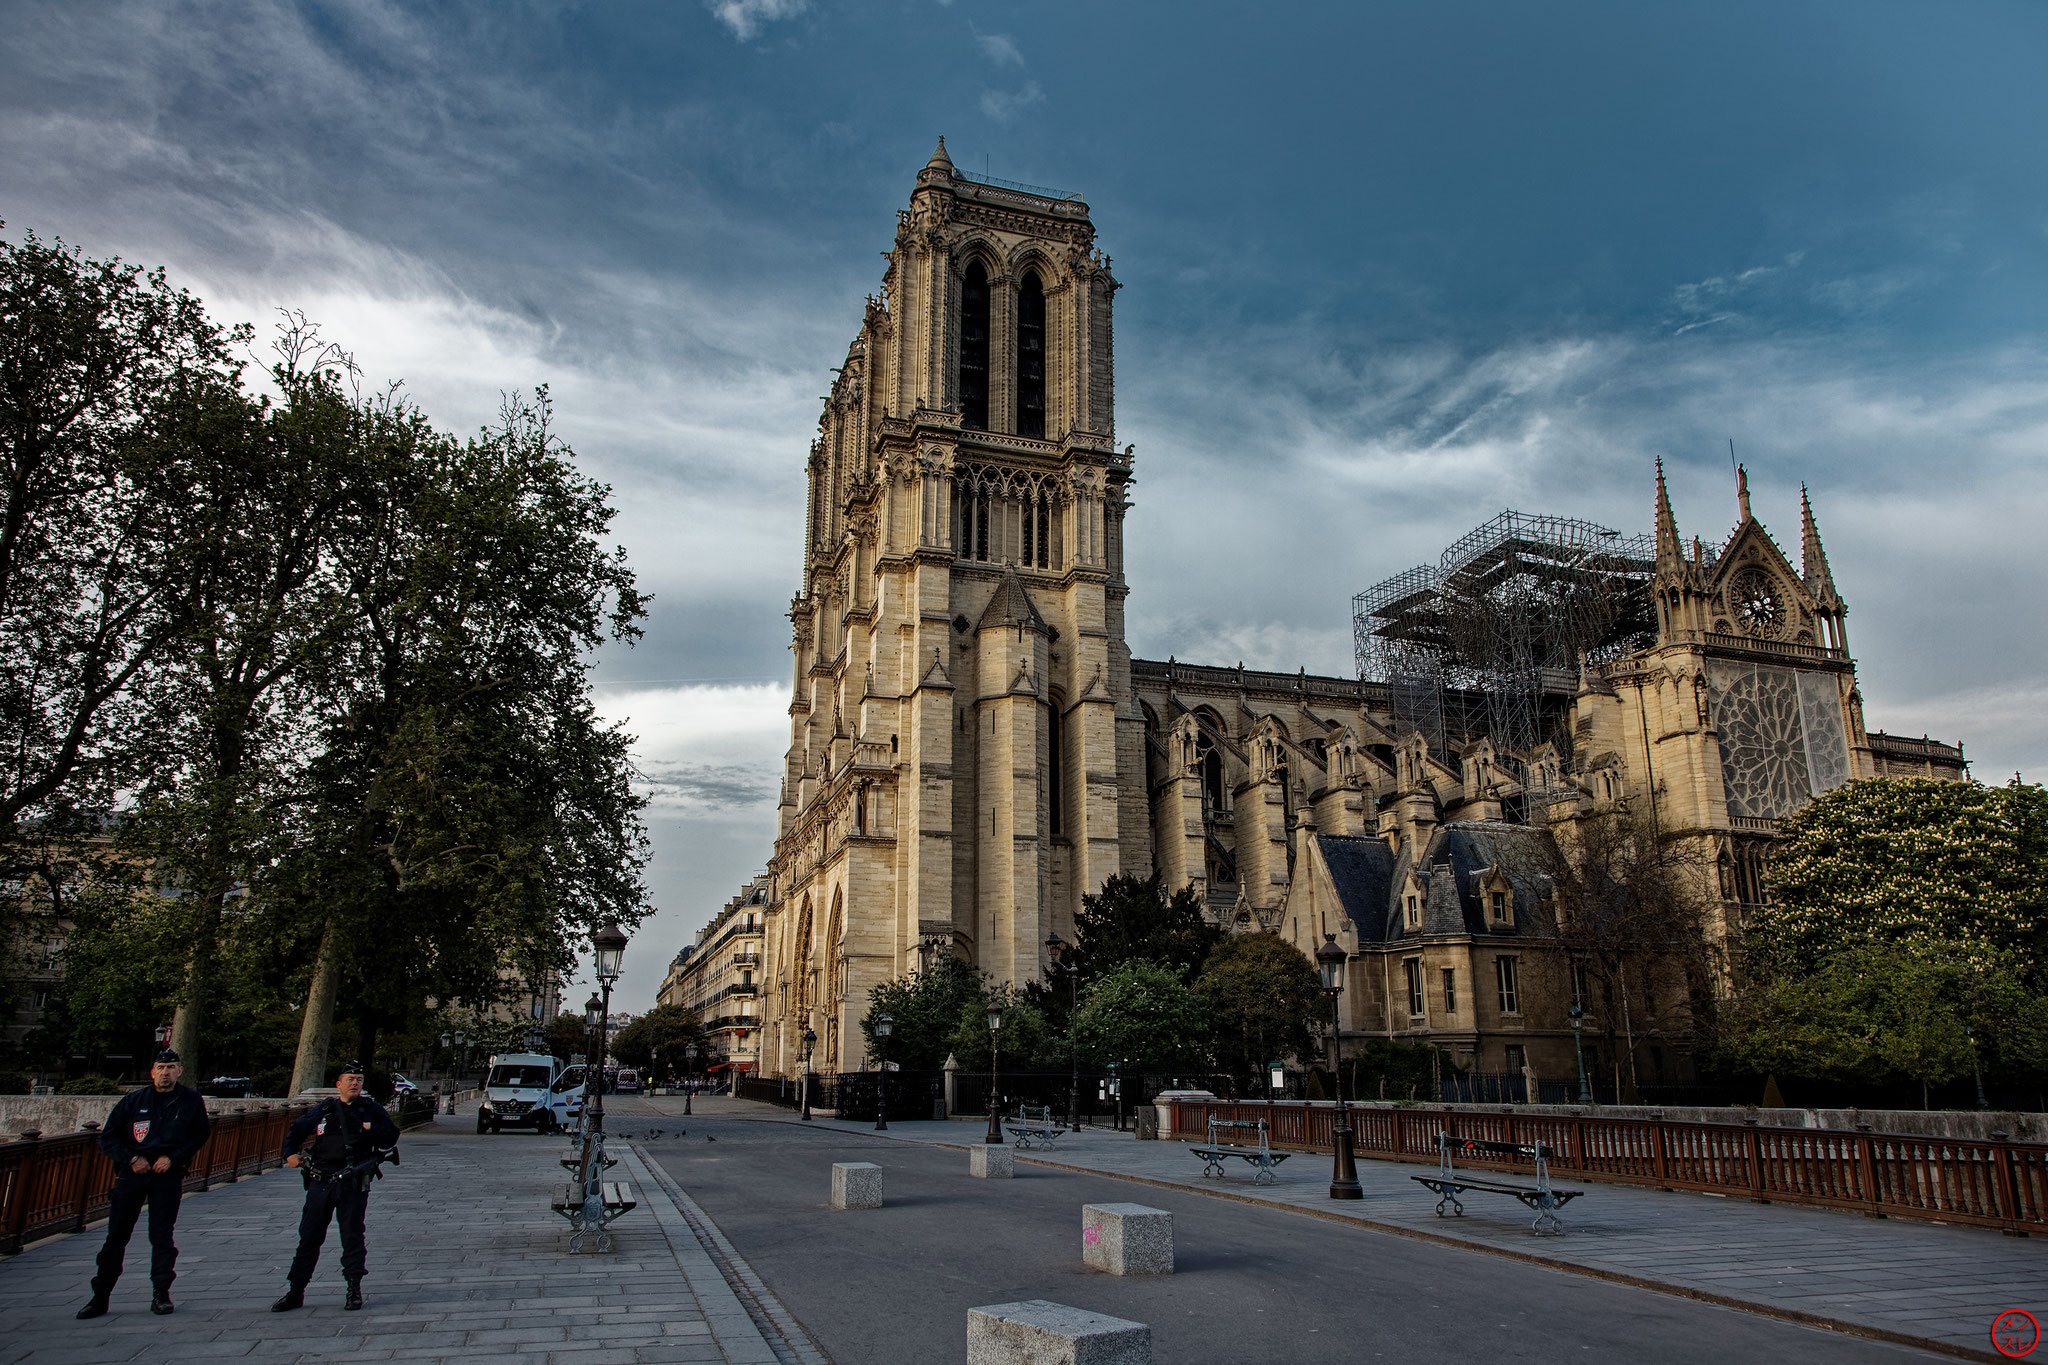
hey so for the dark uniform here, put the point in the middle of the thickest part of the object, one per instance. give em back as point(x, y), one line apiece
point(338, 1165)
point(149, 1123)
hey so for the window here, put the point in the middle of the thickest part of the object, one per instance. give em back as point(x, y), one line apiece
point(1517, 1059)
point(1500, 907)
point(1415, 912)
point(1414, 970)
point(974, 348)
point(1450, 990)
point(1031, 357)
point(1510, 993)
point(1579, 983)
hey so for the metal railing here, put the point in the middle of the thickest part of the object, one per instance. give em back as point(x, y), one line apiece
point(1992, 1182)
point(60, 1184)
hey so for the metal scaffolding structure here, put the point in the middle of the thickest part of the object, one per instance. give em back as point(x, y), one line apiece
point(1473, 643)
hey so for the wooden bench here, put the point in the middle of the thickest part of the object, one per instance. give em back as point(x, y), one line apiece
point(618, 1199)
point(1448, 1184)
point(1262, 1157)
point(1034, 1127)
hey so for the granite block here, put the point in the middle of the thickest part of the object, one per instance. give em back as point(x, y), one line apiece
point(1127, 1239)
point(856, 1185)
point(991, 1163)
point(1037, 1332)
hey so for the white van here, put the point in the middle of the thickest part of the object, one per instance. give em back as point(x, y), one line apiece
point(518, 1093)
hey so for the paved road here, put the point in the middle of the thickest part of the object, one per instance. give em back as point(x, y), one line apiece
point(1254, 1282)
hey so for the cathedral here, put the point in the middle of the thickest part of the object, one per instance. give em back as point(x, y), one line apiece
point(973, 749)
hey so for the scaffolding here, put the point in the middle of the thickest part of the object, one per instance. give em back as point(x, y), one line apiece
point(1474, 643)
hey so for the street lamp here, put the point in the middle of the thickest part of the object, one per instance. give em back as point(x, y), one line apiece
point(1578, 1016)
point(1331, 960)
point(609, 946)
point(1976, 1070)
point(689, 1075)
point(810, 1041)
point(884, 1026)
point(994, 1137)
point(1058, 948)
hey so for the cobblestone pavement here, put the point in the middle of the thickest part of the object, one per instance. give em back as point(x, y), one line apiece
point(466, 1263)
point(1896, 1279)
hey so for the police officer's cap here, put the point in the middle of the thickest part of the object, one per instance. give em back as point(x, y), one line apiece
point(350, 1069)
point(167, 1057)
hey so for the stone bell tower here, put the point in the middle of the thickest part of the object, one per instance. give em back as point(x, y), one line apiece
point(966, 757)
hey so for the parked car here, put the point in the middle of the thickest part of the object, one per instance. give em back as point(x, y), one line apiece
point(629, 1081)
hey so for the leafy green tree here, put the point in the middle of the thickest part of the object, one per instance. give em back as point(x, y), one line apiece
point(1132, 919)
point(470, 811)
point(568, 1036)
point(1145, 1014)
point(90, 545)
point(1909, 862)
point(925, 1008)
point(1264, 1000)
point(1025, 1038)
point(657, 1038)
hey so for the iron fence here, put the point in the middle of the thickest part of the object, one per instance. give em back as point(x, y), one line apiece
point(1993, 1182)
point(60, 1184)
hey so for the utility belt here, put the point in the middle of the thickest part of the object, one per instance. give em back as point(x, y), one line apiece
point(315, 1176)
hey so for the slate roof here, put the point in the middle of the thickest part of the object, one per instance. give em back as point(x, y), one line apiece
point(1369, 880)
point(1010, 605)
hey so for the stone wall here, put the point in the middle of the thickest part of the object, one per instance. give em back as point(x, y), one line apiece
point(55, 1115)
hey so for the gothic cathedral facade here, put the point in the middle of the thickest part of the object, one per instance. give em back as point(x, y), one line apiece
point(973, 750)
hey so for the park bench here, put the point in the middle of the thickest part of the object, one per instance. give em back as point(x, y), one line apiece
point(1448, 1184)
point(1034, 1127)
point(1262, 1157)
point(618, 1199)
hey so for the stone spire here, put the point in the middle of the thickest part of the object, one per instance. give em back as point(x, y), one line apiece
point(939, 168)
point(1670, 553)
point(1813, 560)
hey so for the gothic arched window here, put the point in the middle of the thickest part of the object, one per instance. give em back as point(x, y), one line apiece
point(1031, 357)
point(974, 348)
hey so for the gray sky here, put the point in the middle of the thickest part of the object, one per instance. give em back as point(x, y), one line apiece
point(1388, 269)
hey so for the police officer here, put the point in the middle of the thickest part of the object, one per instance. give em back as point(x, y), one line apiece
point(335, 1147)
point(151, 1137)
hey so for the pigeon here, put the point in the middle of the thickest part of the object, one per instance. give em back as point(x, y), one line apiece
point(709, 1138)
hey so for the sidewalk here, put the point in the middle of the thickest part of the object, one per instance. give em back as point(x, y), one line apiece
point(1911, 1282)
point(466, 1263)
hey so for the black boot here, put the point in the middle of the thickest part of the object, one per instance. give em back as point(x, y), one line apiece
point(160, 1303)
point(355, 1296)
point(294, 1297)
point(94, 1307)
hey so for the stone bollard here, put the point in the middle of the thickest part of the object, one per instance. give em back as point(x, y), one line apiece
point(1037, 1332)
point(856, 1185)
point(991, 1163)
point(1127, 1239)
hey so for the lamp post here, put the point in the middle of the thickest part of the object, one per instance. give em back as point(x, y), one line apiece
point(1975, 1069)
point(1058, 948)
point(1331, 960)
point(689, 1075)
point(1578, 1016)
point(1116, 1094)
point(609, 945)
point(884, 1026)
point(994, 1136)
point(810, 1041)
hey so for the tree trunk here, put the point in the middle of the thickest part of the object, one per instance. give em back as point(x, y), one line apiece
point(317, 1025)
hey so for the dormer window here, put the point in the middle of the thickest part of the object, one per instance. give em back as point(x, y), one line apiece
point(1499, 902)
point(1414, 912)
